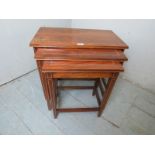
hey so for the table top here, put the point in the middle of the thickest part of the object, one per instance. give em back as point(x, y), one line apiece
point(76, 38)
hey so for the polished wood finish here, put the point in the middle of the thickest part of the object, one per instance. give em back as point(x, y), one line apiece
point(53, 99)
point(75, 87)
point(98, 98)
point(77, 54)
point(65, 53)
point(101, 87)
point(74, 66)
point(81, 75)
point(77, 109)
point(76, 38)
point(44, 83)
point(109, 87)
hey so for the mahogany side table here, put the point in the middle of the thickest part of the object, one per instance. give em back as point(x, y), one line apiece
point(66, 53)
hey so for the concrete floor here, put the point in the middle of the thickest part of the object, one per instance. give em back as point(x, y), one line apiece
point(23, 110)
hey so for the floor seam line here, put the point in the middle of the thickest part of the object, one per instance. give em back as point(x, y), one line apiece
point(19, 118)
point(24, 123)
point(77, 99)
point(144, 111)
point(131, 105)
point(39, 110)
point(110, 122)
point(14, 79)
point(137, 85)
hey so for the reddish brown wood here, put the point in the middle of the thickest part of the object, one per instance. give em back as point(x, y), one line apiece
point(44, 84)
point(53, 100)
point(78, 109)
point(106, 95)
point(74, 66)
point(98, 97)
point(98, 83)
point(75, 87)
point(81, 75)
point(95, 87)
point(104, 82)
point(76, 38)
point(64, 53)
point(75, 79)
point(101, 87)
point(77, 54)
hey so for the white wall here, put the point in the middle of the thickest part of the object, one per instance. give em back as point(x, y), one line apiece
point(140, 36)
point(16, 57)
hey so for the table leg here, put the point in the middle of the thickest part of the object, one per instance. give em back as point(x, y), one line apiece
point(56, 87)
point(44, 85)
point(106, 95)
point(53, 84)
point(95, 86)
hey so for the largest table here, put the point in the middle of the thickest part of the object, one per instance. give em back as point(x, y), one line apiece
point(66, 53)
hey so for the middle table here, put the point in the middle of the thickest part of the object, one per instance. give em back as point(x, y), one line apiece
point(96, 64)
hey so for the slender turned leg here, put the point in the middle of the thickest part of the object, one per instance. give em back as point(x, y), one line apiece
point(53, 94)
point(110, 85)
point(95, 86)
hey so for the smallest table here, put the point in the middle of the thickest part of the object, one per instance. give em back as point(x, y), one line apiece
point(64, 53)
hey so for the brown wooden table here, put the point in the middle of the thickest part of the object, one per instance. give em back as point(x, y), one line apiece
point(65, 53)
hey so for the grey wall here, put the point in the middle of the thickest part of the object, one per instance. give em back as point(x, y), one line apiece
point(16, 57)
point(140, 36)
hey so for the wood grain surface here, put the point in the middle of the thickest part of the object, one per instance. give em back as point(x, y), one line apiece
point(77, 54)
point(74, 66)
point(76, 38)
